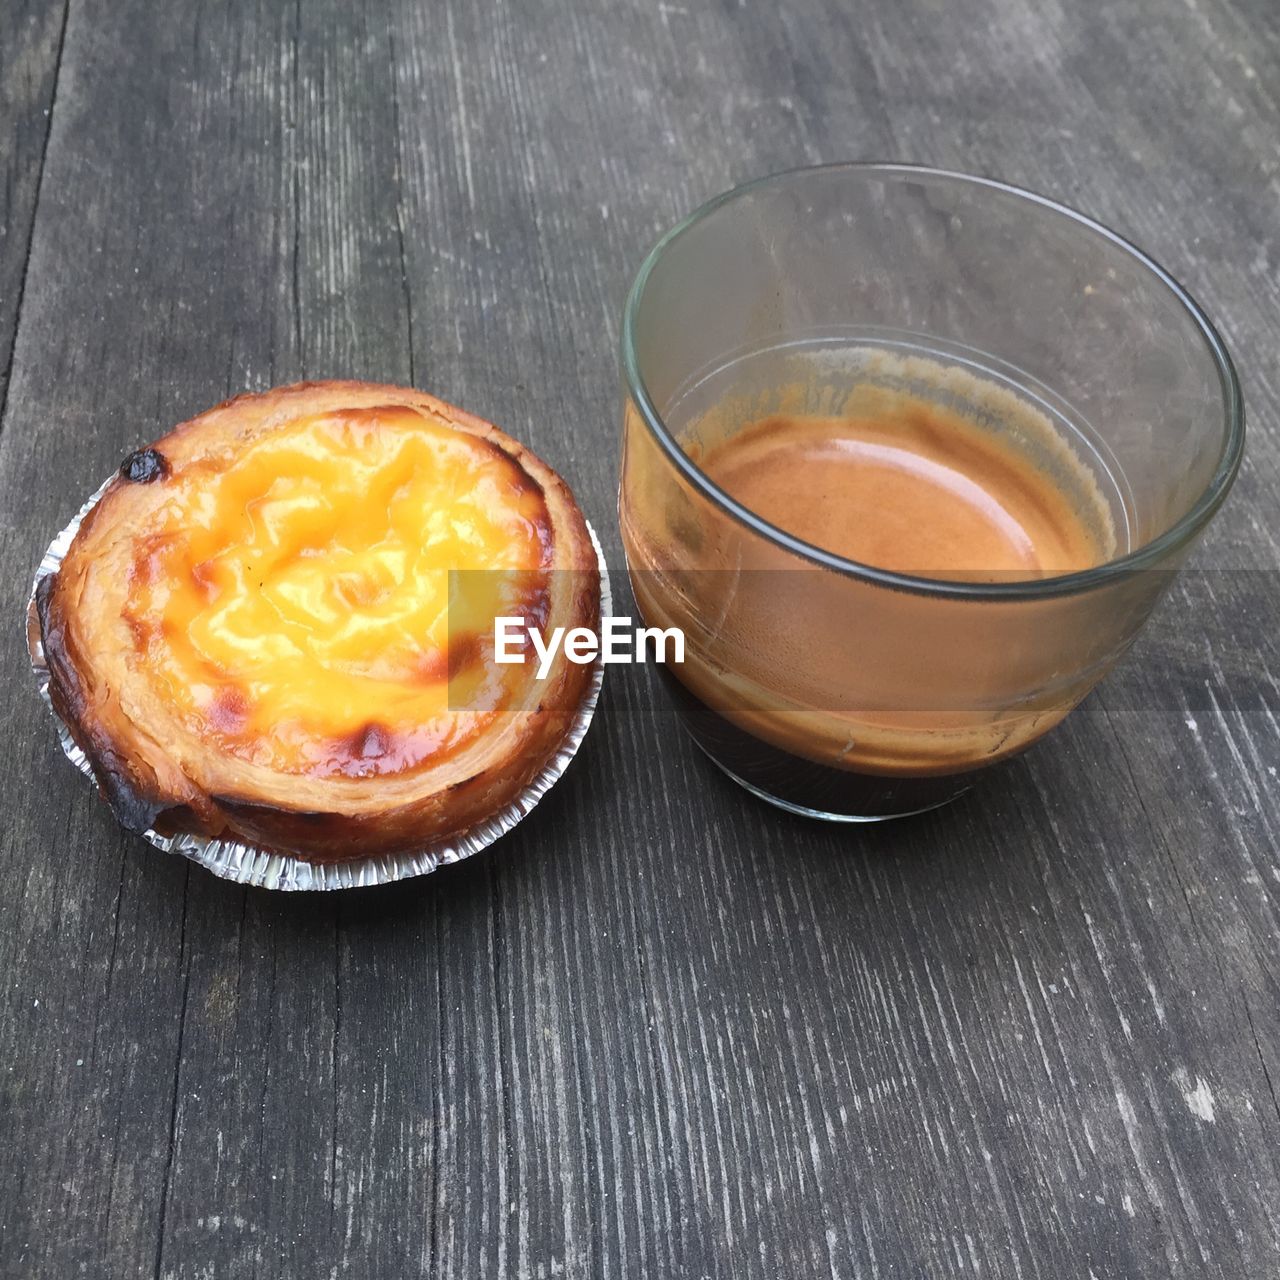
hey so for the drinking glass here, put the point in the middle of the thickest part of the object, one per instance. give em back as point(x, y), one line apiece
point(839, 689)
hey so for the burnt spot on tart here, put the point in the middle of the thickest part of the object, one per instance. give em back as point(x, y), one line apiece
point(229, 710)
point(370, 751)
point(145, 466)
point(464, 653)
point(134, 810)
point(371, 743)
point(129, 801)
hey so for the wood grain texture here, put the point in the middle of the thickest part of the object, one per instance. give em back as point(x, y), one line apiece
point(659, 1030)
point(30, 49)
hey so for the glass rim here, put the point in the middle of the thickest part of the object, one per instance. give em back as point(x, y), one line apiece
point(1145, 556)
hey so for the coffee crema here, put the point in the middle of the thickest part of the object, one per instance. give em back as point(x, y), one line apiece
point(921, 490)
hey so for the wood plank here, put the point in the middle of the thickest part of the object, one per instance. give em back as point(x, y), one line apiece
point(659, 1030)
point(31, 39)
point(158, 283)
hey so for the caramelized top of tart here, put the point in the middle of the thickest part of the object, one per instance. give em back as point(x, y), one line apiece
point(292, 595)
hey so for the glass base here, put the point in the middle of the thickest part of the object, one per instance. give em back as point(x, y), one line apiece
point(822, 815)
point(803, 786)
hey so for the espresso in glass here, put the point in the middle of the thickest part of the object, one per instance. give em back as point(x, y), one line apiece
point(909, 457)
point(899, 482)
point(818, 689)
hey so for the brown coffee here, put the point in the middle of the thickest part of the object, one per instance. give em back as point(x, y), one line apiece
point(833, 690)
point(924, 491)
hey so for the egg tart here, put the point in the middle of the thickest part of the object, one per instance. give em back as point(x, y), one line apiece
point(276, 623)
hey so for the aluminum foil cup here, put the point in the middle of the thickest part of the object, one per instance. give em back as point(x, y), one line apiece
point(267, 869)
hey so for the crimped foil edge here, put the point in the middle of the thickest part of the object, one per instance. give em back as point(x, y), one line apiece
point(250, 864)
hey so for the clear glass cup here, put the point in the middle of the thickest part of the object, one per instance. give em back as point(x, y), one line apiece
point(838, 689)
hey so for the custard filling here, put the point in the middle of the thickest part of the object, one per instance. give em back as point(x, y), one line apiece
point(293, 597)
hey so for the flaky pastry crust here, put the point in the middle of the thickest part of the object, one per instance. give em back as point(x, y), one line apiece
point(177, 756)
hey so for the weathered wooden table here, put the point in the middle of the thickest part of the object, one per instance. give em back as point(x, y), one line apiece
point(662, 1030)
